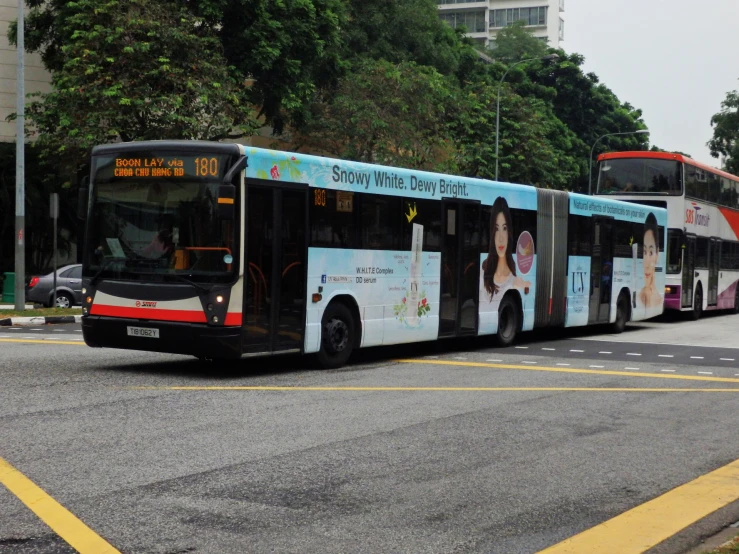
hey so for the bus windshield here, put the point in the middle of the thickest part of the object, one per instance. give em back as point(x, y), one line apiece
point(150, 228)
point(639, 176)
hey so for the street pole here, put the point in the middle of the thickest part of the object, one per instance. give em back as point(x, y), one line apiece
point(55, 217)
point(20, 193)
point(590, 170)
point(497, 109)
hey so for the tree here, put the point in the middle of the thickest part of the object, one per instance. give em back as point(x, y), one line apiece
point(386, 114)
point(135, 70)
point(725, 139)
point(292, 49)
point(515, 42)
point(534, 144)
point(404, 31)
point(287, 49)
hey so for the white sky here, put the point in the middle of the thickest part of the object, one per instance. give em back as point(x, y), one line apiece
point(673, 59)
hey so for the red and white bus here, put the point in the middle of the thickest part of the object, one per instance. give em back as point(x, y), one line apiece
point(702, 218)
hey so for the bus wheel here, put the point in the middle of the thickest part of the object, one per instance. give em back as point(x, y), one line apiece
point(337, 336)
point(508, 321)
point(697, 304)
point(622, 314)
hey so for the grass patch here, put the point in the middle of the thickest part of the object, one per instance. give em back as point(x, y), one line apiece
point(40, 312)
point(732, 547)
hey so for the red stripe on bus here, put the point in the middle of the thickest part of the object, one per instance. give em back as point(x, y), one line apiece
point(188, 316)
point(732, 217)
point(233, 319)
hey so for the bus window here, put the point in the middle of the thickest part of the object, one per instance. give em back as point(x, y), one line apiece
point(380, 222)
point(639, 176)
point(701, 253)
point(332, 219)
point(674, 251)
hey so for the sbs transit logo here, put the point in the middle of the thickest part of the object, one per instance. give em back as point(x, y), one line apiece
point(694, 217)
point(145, 304)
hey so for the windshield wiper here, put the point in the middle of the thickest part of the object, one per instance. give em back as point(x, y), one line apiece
point(200, 288)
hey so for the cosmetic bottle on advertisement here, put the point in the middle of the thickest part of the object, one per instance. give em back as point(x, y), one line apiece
point(415, 276)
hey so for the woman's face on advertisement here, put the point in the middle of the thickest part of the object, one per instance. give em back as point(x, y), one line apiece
point(501, 235)
point(650, 257)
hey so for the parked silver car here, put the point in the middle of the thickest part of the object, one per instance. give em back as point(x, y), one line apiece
point(68, 287)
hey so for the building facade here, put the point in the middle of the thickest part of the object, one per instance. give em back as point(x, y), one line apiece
point(37, 79)
point(484, 18)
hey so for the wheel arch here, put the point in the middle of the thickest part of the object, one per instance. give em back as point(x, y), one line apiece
point(351, 303)
point(515, 297)
point(627, 293)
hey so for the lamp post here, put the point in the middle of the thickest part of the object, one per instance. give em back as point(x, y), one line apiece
point(590, 171)
point(497, 109)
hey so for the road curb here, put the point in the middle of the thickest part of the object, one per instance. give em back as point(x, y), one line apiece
point(39, 320)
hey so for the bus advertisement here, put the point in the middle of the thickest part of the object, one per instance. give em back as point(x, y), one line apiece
point(222, 250)
point(702, 203)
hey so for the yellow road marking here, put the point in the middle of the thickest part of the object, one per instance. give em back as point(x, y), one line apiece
point(426, 389)
point(573, 370)
point(645, 526)
point(30, 341)
point(53, 514)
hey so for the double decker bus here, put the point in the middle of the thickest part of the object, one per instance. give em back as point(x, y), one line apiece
point(222, 251)
point(702, 218)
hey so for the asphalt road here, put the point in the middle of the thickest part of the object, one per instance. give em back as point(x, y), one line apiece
point(358, 465)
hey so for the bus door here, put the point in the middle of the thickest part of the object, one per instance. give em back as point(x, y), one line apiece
point(714, 259)
point(460, 268)
point(688, 271)
point(601, 270)
point(275, 268)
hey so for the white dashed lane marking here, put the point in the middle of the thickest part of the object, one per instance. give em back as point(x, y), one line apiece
point(665, 356)
point(727, 359)
point(604, 352)
point(706, 372)
point(668, 370)
point(577, 350)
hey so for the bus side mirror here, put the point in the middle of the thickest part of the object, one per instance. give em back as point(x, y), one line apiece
point(226, 202)
point(82, 195)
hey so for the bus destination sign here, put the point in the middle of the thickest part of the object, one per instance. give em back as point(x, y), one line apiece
point(202, 167)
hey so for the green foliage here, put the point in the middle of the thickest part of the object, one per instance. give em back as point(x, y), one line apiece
point(515, 43)
point(726, 132)
point(386, 114)
point(404, 31)
point(135, 70)
point(533, 143)
point(290, 48)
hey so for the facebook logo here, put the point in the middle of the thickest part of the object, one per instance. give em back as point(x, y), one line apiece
point(323, 279)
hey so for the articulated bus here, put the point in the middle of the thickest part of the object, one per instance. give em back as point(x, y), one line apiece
point(223, 251)
point(702, 218)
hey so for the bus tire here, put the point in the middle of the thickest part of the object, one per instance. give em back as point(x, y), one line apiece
point(622, 314)
point(509, 321)
point(697, 312)
point(337, 336)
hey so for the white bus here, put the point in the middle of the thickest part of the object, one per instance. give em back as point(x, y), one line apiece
point(702, 219)
point(224, 250)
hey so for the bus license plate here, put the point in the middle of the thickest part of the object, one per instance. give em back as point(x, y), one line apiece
point(142, 332)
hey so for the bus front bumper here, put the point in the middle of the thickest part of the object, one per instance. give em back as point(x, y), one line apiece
point(162, 336)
